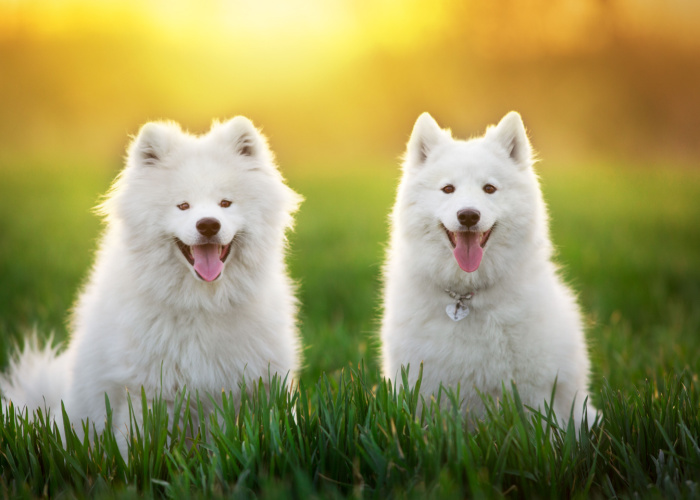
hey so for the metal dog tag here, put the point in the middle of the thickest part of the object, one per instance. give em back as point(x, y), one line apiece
point(457, 311)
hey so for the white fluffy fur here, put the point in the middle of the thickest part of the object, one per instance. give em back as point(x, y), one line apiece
point(524, 324)
point(144, 317)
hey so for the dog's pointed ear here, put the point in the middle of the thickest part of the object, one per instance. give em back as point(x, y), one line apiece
point(153, 143)
point(242, 135)
point(511, 136)
point(426, 135)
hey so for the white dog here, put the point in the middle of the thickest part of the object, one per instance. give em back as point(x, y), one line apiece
point(470, 288)
point(189, 287)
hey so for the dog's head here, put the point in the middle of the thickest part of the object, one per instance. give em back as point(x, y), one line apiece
point(202, 201)
point(477, 197)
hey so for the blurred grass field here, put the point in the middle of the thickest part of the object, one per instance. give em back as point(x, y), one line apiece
point(628, 241)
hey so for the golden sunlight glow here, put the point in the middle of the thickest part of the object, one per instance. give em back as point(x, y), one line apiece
point(295, 40)
point(308, 24)
point(98, 68)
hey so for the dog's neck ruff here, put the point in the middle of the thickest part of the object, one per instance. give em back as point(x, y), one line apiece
point(459, 310)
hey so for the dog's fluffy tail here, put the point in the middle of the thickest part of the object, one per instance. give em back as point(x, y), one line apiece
point(37, 377)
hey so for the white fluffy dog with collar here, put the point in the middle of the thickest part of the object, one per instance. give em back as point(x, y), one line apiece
point(189, 288)
point(470, 289)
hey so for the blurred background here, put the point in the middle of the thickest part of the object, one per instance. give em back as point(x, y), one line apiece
point(332, 79)
point(609, 90)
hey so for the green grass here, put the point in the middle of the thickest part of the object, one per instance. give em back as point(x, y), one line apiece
point(628, 241)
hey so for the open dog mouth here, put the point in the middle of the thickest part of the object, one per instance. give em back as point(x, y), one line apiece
point(207, 260)
point(468, 247)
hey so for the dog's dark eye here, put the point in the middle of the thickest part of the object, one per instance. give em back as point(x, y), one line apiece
point(184, 206)
point(489, 189)
point(225, 203)
point(448, 189)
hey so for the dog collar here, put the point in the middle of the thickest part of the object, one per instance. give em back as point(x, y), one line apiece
point(459, 310)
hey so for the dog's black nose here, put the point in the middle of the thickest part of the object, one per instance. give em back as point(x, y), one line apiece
point(208, 226)
point(468, 216)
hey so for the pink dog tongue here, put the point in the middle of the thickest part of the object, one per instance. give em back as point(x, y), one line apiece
point(468, 251)
point(206, 261)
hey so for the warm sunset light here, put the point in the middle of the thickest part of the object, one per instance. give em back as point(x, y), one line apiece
point(352, 74)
